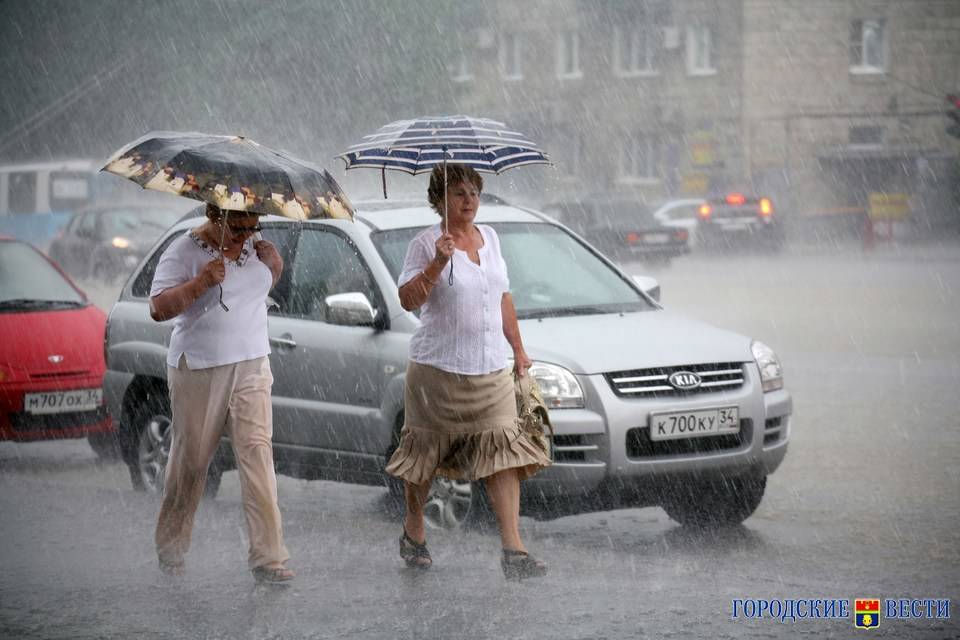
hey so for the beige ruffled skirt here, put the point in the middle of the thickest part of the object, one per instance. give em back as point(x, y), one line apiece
point(461, 427)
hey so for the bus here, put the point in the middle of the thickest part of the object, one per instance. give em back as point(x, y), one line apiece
point(37, 199)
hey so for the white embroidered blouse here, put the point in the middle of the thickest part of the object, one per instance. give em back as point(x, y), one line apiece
point(462, 325)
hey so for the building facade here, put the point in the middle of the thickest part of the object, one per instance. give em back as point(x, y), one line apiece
point(836, 108)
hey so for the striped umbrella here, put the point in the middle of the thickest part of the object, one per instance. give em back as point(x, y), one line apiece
point(417, 146)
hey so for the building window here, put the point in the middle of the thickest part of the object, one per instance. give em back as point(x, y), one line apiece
point(868, 136)
point(460, 71)
point(568, 54)
point(640, 158)
point(700, 51)
point(634, 50)
point(510, 54)
point(868, 46)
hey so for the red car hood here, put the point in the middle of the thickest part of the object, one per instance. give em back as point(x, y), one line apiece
point(61, 342)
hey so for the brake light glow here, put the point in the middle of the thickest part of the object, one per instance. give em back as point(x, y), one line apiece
point(705, 210)
point(736, 198)
point(633, 237)
point(766, 207)
point(680, 234)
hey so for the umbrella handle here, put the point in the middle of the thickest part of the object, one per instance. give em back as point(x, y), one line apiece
point(446, 218)
point(383, 177)
point(223, 233)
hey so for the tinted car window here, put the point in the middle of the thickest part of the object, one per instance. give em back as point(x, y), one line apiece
point(26, 274)
point(141, 285)
point(326, 263)
point(588, 285)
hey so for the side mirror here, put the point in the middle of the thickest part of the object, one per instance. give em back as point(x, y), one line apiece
point(649, 285)
point(350, 309)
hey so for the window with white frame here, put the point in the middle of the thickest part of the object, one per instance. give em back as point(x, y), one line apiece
point(700, 50)
point(511, 54)
point(640, 158)
point(568, 54)
point(868, 46)
point(460, 71)
point(634, 50)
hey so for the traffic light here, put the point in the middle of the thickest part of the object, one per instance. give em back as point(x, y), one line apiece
point(954, 113)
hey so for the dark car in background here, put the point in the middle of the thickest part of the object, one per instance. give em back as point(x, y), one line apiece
point(622, 228)
point(736, 221)
point(105, 241)
point(51, 353)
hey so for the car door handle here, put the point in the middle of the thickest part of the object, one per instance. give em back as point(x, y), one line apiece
point(286, 341)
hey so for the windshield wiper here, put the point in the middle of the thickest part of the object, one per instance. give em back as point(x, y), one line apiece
point(566, 311)
point(29, 303)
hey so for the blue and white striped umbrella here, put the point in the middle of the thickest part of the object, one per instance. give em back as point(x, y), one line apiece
point(417, 146)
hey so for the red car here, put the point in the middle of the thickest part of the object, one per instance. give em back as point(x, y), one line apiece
point(51, 353)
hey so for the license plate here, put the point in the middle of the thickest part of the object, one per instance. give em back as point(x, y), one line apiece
point(62, 401)
point(673, 425)
point(656, 238)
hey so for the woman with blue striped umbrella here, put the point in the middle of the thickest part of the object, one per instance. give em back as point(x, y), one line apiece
point(417, 146)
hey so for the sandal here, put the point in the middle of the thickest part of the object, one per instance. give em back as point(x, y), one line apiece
point(413, 553)
point(520, 564)
point(273, 575)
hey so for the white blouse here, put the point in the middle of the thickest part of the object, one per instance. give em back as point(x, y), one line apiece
point(206, 334)
point(462, 326)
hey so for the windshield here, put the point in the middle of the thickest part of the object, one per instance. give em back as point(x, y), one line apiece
point(138, 222)
point(584, 285)
point(28, 279)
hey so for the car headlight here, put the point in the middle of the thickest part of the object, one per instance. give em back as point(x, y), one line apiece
point(771, 372)
point(559, 386)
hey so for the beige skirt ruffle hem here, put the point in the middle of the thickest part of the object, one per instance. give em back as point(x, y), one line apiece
point(461, 427)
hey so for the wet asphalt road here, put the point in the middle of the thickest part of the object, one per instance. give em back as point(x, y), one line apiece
point(865, 505)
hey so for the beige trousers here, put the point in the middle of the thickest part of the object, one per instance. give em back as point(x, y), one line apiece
point(235, 399)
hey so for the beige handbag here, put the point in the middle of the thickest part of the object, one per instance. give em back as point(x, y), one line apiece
point(532, 412)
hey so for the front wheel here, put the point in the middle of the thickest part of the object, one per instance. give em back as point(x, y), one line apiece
point(149, 446)
point(455, 504)
point(718, 503)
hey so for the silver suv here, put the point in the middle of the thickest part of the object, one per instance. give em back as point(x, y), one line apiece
point(648, 407)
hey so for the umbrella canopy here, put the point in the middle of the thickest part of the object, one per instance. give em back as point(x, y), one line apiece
point(231, 172)
point(417, 146)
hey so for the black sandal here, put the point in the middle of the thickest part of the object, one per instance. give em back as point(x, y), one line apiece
point(413, 553)
point(520, 564)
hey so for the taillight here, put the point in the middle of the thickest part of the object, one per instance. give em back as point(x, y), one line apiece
point(766, 207)
point(736, 199)
point(680, 234)
point(705, 210)
point(633, 237)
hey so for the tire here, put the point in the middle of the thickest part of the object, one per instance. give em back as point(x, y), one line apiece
point(450, 505)
point(455, 504)
point(146, 444)
point(105, 445)
point(716, 504)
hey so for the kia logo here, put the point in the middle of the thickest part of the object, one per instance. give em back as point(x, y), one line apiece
point(685, 380)
point(55, 359)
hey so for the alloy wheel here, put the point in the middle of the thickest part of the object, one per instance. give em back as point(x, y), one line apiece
point(154, 452)
point(448, 504)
